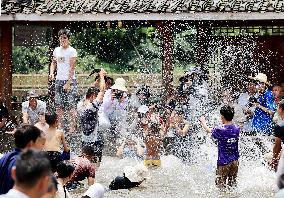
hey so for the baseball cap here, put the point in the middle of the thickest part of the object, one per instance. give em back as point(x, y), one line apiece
point(32, 94)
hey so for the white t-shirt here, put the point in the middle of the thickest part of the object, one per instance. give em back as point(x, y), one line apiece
point(63, 57)
point(34, 113)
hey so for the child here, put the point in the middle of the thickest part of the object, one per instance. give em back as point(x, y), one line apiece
point(228, 153)
point(84, 168)
point(41, 124)
point(54, 139)
point(153, 142)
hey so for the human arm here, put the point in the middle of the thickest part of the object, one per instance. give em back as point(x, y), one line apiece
point(67, 86)
point(65, 146)
point(102, 85)
point(25, 115)
point(2, 123)
point(267, 110)
point(91, 181)
point(184, 130)
point(119, 151)
point(276, 153)
point(52, 67)
point(280, 172)
point(204, 124)
point(92, 174)
point(140, 150)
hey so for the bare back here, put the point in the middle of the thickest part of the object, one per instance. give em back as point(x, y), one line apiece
point(54, 140)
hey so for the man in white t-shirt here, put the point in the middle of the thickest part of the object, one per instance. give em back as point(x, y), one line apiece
point(33, 108)
point(64, 60)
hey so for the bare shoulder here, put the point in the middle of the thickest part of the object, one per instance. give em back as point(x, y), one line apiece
point(60, 132)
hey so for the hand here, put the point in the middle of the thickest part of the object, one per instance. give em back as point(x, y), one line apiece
point(256, 104)
point(273, 164)
point(202, 119)
point(102, 73)
point(67, 86)
point(51, 76)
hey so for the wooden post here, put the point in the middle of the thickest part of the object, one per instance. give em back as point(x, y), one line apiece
point(166, 31)
point(6, 64)
point(202, 43)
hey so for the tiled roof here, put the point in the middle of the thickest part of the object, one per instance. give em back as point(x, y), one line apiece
point(139, 6)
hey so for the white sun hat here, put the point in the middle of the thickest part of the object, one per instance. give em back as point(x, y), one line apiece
point(261, 77)
point(136, 173)
point(95, 191)
point(119, 84)
point(143, 109)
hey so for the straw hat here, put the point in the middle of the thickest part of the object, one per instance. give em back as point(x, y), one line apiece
point(119, 84)
point(136, 173)
point(261, 77)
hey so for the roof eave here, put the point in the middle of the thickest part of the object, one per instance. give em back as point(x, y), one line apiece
point(210, 16)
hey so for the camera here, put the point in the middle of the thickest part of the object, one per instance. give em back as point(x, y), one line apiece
point(118, 95)
point(9, 126)
point(252, 100)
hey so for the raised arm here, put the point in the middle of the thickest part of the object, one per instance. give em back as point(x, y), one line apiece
point(65, 146)
point(204, 124)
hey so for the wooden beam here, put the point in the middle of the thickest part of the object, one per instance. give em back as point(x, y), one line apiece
point(195, 16)
point(166, 31)
point(6, 64)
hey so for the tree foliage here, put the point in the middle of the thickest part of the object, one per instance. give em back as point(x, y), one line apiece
point(117, 50)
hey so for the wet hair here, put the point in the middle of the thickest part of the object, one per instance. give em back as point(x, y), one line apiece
point(110, 79)
point(228, 112)
point(50, 118)
point(53, 184)
point(88, 150)
point(26, 133)
point(31, 166)
point(91, 91)
point(64, 32)
point(65, 169)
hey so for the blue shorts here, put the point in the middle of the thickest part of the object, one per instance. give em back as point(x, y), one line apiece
point(64, 99)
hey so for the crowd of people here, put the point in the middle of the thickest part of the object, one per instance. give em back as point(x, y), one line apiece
point(139, 126)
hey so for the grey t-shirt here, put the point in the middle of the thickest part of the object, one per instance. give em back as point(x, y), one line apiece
point(34, 113)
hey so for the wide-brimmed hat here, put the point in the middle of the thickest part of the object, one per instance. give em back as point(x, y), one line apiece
point(95, 191)
point(32, 94)
point(261, 77)
point(136, 173)
point(143, 109)
point(119, 84)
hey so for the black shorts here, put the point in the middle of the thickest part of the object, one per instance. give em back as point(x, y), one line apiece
point(98, 148)
point(54, 158)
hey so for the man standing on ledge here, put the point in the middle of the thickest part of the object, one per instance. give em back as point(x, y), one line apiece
point(64, 60)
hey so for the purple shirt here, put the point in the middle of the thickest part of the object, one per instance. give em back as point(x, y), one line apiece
point(228, 137)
